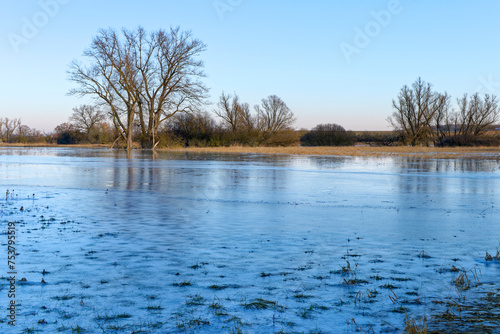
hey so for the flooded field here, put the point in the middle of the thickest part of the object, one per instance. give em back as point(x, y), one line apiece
point(247, 243)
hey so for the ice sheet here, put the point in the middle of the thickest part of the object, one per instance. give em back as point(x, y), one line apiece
point(211, 243)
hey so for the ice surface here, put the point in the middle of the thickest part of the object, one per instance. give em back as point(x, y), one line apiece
point(214, 243)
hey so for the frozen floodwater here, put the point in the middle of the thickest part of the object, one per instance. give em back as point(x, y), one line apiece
point(214, 243)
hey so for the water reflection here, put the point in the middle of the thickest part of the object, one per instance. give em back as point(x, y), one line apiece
point(407, 196)
point(249, 177)
point(449, 176)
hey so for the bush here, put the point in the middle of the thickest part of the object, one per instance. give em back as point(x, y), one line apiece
point(328, 135)
point(169, 140)
point(283, 138)
point(70, 138)
point(66, 134)
point(460, 140)
point(379, 138)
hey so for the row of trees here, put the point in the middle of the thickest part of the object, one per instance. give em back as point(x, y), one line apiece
point(203, 130)
point(145, 82)
point(237, 125)
point(148, 87)
point(8, 128)
point(423, 116)
point(13, 131)
point(86, 125)
point(271, 117)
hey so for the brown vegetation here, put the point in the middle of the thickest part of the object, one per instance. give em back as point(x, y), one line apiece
point(361, 151)
point(423, 116)
point(356, 151)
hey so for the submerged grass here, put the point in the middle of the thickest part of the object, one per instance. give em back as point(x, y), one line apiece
point(423, 255)
point(462, 315)
point(182, 284)
point(107, 317)
point(224, 286)
point(195, 300)
point(197, 322)
point(260, 304)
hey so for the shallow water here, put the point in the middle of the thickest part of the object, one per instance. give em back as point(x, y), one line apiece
point(178, 242)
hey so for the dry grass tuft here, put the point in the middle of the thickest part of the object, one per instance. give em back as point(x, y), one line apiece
point(462, 282)
point(414, 327)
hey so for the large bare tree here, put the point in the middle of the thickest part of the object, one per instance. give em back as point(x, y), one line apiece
point(143, 79)
point(235, 114)
point(416, 108)
point(274, 115)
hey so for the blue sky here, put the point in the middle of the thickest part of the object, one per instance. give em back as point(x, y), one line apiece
point(331, 61)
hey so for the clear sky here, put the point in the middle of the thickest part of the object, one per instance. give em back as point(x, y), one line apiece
point(331, 61)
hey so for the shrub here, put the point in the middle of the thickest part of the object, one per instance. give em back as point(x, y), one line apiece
point(70, 137)
point(328, 135)
point(282, 138)
point(67, 134)
point(460, 140)
point(169, 140)
point(379, 138)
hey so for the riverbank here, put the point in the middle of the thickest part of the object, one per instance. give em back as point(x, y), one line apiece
point(362, 151)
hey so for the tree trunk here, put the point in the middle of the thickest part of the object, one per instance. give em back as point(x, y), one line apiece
point(130, 127)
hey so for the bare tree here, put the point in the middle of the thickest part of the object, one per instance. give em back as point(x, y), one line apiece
point(474, 116)
point(8, 128)
point(24, 133)
point(274, 115)
point(86, 118)
point(246, 121)
point(142, 79)
point(236, 115)
point(416, 108)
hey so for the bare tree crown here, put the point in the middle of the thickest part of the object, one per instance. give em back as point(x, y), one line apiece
point(142, 78)
point(235, 114)
point(416, 108)
point(423, 115)
point(274, 115)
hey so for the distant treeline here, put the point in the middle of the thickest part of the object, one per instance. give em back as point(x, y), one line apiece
point(149, 93)
point(422, 117)
point(88, 125)
point(190, 130)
